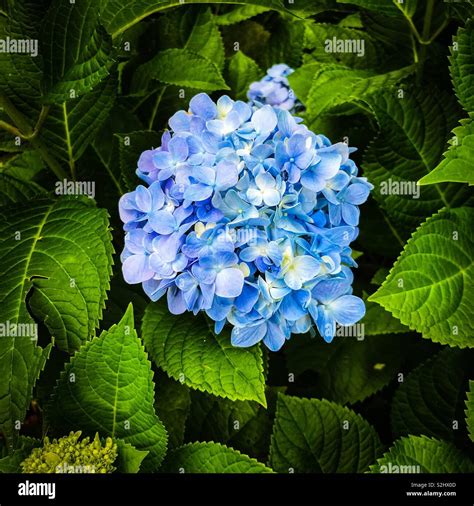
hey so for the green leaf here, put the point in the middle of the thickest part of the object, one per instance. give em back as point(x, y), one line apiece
point(239, 14)
point(458, 164)
point(413, 129)
point(71, 126)
point(129, 459)
point(335, 85)
point(388, 7)
point(58, 254)
point(430, 400)
point(185, 348)
point(21, 74)
point(242, 72)
point(14, 190)
point(319, 38)
point(120, 15)
point(462, 65)
point(211, 458)
point(470, 410)
point(430, 287)
point(243, 425)
point(114, 396)
point(205, 39)
point(11, 463)
point(350, 369)
point(25, 166)
point(76, 50)
point(377, 321)
point(182, 67)
point(415, 454)
point(172, 404)
point(318, 436)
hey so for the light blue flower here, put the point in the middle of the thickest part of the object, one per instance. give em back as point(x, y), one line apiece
point(274, 89)
point(248, 216)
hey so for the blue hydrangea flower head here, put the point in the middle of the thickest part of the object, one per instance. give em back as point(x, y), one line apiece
point(274, 89)
point(246, 215)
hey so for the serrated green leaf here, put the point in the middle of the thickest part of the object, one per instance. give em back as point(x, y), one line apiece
point(379, 276)
point(430, 287)
point(129, 458)
point(76, 50)
point(182, 67)
point(335, 85)
point(415, 454)
point(185, 348)
point(319, 39)
point(211, 458)
point(14, 190)
point(470, 410)
point(242, 72)
point(430, 400)
point(11, 463)
point(405, 150)
point(120, 15)
point(349, 370)
point(240, 13)
point(205, 39)
point(458, 163)
point(172, 405)
point(115, 396)
point(243, 425)
point(377, 321)
point(462, 65)
point(388, 7)
point(71, 126)
point(312, 435)
point(59, 255)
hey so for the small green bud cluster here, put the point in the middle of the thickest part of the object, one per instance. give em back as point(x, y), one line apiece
point(69, 455)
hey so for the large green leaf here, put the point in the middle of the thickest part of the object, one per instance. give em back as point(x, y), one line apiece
point(415, 454)
point(462, 65)
point(13, 190)
point(172, 404)
point(389, 7)
point(182, 67)
point(242, 72)
point(205, 39)
point(211, 458)
point(243, 425)
point(470, 410)
point(76, 49)
point(108, 387)
point(414, 126)
point(119, 15)
point(185, 348)
point(240, 13)
point(11, 463)
point(334, 85)
point(458, 163)
point(349, 370)
point(430, 400)
point(430, 287)
point(71, 126)
point(312, 435)
point(58, 254)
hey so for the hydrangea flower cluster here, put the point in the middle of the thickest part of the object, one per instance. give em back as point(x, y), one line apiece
point(246, 215)
point(274, 89)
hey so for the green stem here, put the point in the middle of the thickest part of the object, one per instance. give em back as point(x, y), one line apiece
point(26, 132)
point(159, 96)
point(426, 32)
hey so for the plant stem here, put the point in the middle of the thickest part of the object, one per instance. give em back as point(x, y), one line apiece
point(26, 132)
point(426, 32)
point(159, 96)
